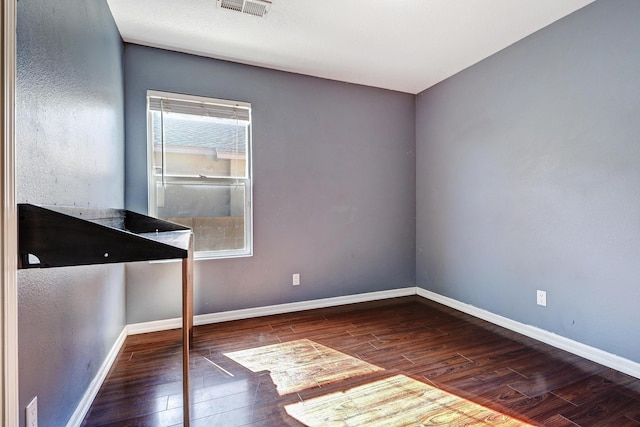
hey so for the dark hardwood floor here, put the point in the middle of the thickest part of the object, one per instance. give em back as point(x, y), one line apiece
point(407, 361)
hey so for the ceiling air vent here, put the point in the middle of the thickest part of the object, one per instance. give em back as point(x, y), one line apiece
point(251, 7)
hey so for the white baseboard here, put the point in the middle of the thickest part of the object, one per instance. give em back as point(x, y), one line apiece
point(154, 326)
point(594, 354)
point(91, 392)
point(226, 316)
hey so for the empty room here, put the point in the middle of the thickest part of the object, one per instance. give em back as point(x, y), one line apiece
point(297, 213)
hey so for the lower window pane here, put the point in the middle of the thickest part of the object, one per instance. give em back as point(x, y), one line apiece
point(215, 212)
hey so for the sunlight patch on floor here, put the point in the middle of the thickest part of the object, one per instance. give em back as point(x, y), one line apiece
point(395, 401)
point(301, 364)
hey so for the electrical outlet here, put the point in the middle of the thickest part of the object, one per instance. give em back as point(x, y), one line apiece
point(541, 297)
point(296, 279)
point(32, 413)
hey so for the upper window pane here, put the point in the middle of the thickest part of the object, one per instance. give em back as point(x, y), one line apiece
point(200, 146)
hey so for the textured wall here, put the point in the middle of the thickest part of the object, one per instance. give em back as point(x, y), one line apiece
point(70, 151)
point(334, 195)
point(527, 178)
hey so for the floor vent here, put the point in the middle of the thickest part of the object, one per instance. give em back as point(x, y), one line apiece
point(251, 7)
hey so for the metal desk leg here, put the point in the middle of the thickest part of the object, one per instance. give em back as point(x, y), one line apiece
point(187, 326)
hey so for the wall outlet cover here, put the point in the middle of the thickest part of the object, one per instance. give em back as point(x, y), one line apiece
point(541, 298)
point(32, 413)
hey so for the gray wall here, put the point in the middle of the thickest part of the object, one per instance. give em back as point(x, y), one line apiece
point(70, 151)
point(528, 178)
point(334, 194)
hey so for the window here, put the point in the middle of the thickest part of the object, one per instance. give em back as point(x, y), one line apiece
point(200, 170)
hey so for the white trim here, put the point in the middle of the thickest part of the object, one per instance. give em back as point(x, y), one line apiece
point(9, 403)
point(154, 326)
point(89, 395)
point(594, 354)
point(225, 316)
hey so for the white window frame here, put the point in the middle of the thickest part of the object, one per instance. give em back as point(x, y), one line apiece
point(247, 182)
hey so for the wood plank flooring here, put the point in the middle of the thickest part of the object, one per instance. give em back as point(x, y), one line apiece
point(406, 361)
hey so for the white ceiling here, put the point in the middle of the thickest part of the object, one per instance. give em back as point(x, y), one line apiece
point(404, 45)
